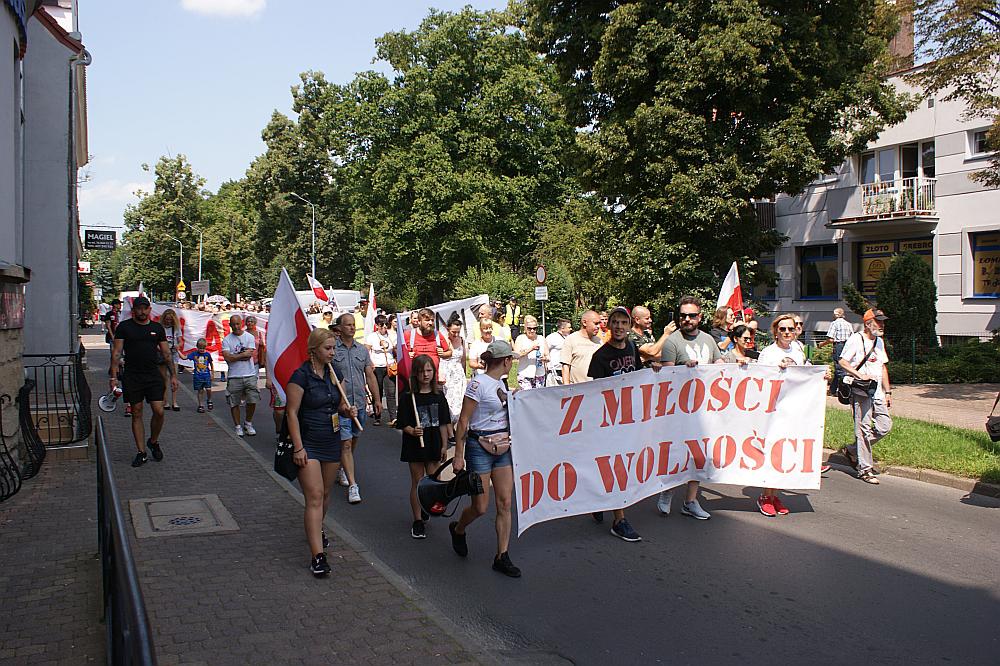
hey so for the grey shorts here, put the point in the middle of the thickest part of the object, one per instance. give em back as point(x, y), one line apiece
point(242, 389)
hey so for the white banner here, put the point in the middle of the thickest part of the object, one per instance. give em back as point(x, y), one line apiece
point(609, 443)
point(466, 308)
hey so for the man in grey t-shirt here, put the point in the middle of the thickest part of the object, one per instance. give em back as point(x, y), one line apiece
point(688, 346)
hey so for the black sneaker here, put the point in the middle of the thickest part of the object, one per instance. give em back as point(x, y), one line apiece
point(155, 448)
point(326, 542)
point(140, 459)
point(418, 531)
point(503, 564)
point(598, 516)
point(458, 541)
point(319, 566)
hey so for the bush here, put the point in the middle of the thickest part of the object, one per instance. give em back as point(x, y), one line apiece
point(970, 362)
point(908, 296)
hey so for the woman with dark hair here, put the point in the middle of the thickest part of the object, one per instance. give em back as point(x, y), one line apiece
point(172, 327)
point(453, 369)
point(425, 430)
point(485, 427)
point(313, 411)
point(742, 351)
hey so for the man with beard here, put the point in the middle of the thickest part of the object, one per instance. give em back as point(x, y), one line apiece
point(141, 338)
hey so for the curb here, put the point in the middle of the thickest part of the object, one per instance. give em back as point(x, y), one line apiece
point(971, 486)
point(453, 630)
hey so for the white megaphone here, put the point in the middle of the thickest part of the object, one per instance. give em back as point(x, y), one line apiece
point(109, 401)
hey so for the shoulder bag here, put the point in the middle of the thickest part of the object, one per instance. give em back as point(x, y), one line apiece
point(498, 443)
point(993, 422)
point(862, 385)
point(283, 462)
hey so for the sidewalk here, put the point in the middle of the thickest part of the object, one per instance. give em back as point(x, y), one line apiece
point(230, 597)
point(958, 405)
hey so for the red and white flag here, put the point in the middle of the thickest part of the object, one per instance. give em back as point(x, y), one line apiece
point(731, 295)
point(287, 335)
point(370, 317)
point(317, 288)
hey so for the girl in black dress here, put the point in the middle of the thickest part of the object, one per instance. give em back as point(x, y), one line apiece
point(424, 433)
point(314, 409)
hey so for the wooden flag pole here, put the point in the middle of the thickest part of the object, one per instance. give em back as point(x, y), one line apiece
point(416, 417)
point(336, 380)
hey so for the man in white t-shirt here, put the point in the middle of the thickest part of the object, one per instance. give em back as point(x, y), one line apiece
point(555, 342)
point(241, 379)
point(382, 351)
point(871, 408)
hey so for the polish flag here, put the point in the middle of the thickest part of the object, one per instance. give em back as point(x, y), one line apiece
point(287, 335)
point(317, 288)
point(731, 296)
point(370, 317)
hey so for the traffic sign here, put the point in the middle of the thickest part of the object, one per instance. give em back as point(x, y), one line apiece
point(199, 287)
point(540, 275)
point(83, 267)
point(181, 286)
point(541, 293)
point(95, 239)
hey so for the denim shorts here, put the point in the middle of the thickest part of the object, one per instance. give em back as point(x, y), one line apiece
point(201, 384)
point(481, 461)
point(347, 429)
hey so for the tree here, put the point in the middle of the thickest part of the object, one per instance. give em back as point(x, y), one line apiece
point(690, 110)
point(908, 296)
point(854, 299)
point(961, 39)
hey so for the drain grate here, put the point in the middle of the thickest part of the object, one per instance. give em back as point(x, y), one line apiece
point(192, 514)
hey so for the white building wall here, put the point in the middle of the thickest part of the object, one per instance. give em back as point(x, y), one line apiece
point(10, 239)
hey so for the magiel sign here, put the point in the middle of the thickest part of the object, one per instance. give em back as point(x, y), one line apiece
point(95, 239)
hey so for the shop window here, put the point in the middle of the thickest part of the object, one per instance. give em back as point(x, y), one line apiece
point(986, 264)
point(874, 258)
point(819, 275)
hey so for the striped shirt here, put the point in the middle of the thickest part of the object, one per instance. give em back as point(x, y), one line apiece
point(840, 330)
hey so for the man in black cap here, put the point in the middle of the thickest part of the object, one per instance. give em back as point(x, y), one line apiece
point(140, 338)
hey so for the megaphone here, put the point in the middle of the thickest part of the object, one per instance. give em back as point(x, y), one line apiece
point(435, 495)
point(109, 401)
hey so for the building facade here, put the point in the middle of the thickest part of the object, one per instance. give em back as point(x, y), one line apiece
point(909, 191)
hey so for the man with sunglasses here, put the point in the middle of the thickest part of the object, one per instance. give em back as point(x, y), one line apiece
point(688, 346)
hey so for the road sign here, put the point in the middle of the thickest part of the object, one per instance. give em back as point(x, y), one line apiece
point(181, 286)
point(541, 293)
point(540, 275)
point(97, 239)
point(199, 287)
point(83, 267)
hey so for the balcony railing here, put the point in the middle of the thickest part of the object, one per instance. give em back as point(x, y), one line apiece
point(898, 198)
point(60, 397)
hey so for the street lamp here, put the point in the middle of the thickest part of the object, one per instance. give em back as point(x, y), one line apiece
point(313, 206)
point(200, 246)
point(181, 262)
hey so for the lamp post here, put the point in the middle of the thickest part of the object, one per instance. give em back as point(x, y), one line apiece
point(313, 206)
point(200, 246)
point(181, 262)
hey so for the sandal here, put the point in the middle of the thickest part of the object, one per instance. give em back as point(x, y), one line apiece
point(868, 477)
point(210, 405)
point(201, 410)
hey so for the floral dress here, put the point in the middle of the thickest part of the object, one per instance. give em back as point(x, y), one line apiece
point(453, 373)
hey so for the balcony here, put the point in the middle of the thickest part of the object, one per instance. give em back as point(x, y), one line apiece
point(904, 199)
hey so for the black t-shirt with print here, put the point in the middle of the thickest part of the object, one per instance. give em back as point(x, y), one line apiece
point(609, 361)
point(432, 409)
point(141, 344)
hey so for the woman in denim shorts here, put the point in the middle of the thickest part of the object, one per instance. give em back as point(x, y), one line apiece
point(484, 413)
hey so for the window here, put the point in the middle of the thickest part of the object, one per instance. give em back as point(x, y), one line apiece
point(874, 258)
point(908, 156)
point(986, 264)
point(867, 170)
point(927, 159)
point(977, 143)
point(818, 272)
point(887, 165)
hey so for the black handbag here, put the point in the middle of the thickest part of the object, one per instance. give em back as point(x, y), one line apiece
point(284, 464)
point(993, 422)
point(862, 385)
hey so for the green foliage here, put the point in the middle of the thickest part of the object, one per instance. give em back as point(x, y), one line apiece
point(907, 294)
point(854, 299)
point(84, 296)
point(972, 362)
point(693, 109)
point(497, 282)
point(960, 40)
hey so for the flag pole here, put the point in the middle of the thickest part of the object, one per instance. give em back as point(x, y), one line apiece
point(336, 380)
point(416, 416)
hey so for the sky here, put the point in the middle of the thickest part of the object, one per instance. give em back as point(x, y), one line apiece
point(202, 77)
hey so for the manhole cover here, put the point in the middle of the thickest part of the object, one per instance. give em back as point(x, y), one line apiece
point(192, 514)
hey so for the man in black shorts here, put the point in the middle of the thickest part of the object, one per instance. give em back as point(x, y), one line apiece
point(141, 338)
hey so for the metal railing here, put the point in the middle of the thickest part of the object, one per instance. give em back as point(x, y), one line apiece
point(129, 638)
point(61, 397)
point(893, 198)
point(10, 470)
point(765, 215)
point(34, 447)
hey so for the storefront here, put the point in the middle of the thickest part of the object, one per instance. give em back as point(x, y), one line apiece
point(874, 258)
point(986, 264)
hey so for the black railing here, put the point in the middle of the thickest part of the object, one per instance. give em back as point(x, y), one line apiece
point(129, 639)
point(34, 447)
point(10, 470)
point(61, 397)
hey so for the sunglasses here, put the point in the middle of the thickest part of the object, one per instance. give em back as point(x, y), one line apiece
point(531, 328)
point(786, 329)
point(746, 339)
point(689, 315)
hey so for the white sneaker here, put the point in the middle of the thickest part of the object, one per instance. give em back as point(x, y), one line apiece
point(353, 494)
point(342, 478)
point(694, 510)
point(239, 431)
point(248, 429)
point(663, 502)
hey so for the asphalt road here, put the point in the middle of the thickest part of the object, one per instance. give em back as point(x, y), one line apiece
point(905, 572)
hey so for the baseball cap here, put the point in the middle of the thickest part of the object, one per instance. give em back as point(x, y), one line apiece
point(875, 314)
point(499, 349)
point(327, 310)
point(748, 312)
point(620, 308)
point(140, 302)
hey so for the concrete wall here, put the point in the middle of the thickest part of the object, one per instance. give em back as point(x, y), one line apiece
point(10, 235)
point(48, 253)
point(962, 206)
